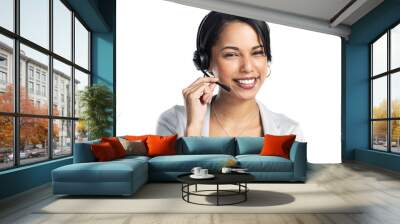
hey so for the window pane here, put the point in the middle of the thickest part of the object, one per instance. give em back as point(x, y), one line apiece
point(395, 47)
point(395, 136)
point(62, 137)
point(81, 45)
point(62, 29)
point(379, 55)
point(62, 89)
point(35, 21)
point(7, 14)
point(379, 135)
point(81, 81)
point(6, 142)
point(81, 131)
point(6, 74)
point(395, 94)
point(33, 140)
point(379, 100)
point(34, 79)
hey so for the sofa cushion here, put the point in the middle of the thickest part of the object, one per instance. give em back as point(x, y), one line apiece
point(196, 145)
point(249, 145)
point(132, 159)
point(185, 163)
point(159, 145)
point(116, 145)
point(83, 152)
point(111, 171)
point(257, 163)
point(277, 145)
point(103, 152)
point(134, 147)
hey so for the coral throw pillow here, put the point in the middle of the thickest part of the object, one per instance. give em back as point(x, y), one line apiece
point(116, 145)
point(159, 145)
point(103, 151)
point(277, 145)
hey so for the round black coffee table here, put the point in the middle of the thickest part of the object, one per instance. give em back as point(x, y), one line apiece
point(239, 179)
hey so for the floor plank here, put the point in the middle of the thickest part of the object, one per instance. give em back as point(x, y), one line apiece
point(378, 190)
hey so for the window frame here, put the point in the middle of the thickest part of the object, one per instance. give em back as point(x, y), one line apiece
point(15, 72)
point(388, 74)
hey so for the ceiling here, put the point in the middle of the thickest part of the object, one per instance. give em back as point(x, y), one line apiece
point(326, 16)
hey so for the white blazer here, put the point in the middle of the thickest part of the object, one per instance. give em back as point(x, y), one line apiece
point(173, 121)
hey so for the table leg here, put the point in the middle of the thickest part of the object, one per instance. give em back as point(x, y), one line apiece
point(245, 193)
point(188, 189)
point(217, 194)
point(196, 188)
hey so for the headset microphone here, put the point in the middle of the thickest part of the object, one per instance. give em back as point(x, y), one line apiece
point(225, 87)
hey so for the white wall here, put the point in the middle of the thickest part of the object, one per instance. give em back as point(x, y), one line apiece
point(154, 63)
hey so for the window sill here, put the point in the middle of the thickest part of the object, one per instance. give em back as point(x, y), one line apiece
point(25, 167)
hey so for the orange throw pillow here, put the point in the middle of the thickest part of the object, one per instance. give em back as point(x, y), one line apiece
point(277, 145)
point(116, 145)
point(159, 145)
point(134, 137)
point(103, 151)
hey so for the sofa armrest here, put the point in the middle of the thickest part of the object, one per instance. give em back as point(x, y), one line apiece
point(83, 152)
point(298, 155)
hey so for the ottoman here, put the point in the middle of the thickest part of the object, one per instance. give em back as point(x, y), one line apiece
point(117, 177)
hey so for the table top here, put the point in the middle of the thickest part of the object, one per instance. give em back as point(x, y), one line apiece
point(220, 178)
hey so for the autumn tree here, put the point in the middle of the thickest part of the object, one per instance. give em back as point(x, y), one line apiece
point(33, 131)
point(380, 127)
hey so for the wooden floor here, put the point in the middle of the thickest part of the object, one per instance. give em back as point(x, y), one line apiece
point(378, 188)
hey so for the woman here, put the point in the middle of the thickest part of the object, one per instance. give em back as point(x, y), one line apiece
point(237, 50)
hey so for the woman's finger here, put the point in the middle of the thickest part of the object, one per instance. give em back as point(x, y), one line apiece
point(199, 90)
point(204, 80)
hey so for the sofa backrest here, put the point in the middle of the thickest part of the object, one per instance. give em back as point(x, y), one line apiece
point(193, 145)
point(249, 145)
point(83, 152)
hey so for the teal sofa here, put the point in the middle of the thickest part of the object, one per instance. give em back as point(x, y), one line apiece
point(125, 176)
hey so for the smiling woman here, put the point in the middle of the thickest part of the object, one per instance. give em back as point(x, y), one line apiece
point(236, 51)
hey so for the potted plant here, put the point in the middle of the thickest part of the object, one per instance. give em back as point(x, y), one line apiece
point(97, 106)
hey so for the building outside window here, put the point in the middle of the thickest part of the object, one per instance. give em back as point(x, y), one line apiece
point(3, 78)
point(3, 61)
point(30, 72)
point(3, 72)
point(37, 75)
point(30, 87)
point(44, 77)
point(43, 90)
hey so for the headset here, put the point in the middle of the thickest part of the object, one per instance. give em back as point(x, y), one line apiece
point(201, 59)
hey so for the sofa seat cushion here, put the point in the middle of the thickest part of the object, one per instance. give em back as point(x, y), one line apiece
point(202, 145)
point(111, 171)
point(133, 158)
point(257, 163)
point(185, 163)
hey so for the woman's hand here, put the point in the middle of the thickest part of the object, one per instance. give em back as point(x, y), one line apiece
point(197, 96)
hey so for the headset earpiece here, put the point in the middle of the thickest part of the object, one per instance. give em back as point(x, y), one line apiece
point(200, 60)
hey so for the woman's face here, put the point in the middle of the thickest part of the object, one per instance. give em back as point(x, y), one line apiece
point(238, 60)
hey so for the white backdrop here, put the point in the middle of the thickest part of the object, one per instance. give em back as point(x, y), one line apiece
point(155, 44)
